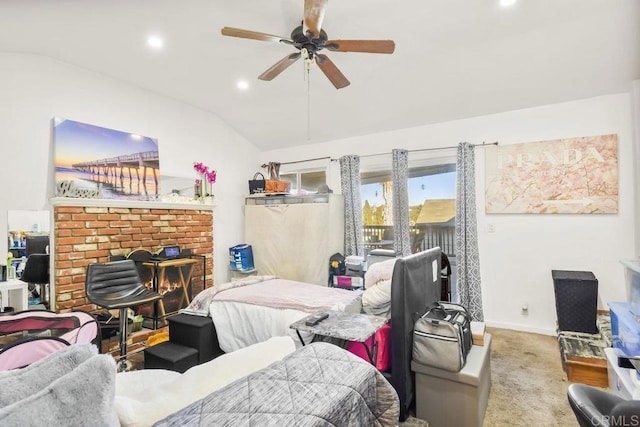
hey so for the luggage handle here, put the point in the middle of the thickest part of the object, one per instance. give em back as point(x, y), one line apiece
point(436, 308)
point(439, 308)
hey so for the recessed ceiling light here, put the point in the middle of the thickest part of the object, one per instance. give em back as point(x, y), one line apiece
point(155, 42)
point(507, 3)
point(242, 85)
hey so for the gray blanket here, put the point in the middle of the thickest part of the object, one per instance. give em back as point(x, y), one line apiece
point(317, 385)
point(74, 386)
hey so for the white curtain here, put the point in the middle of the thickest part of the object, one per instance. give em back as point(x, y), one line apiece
point(467, 256)
point(400, 182)
point(350, 185)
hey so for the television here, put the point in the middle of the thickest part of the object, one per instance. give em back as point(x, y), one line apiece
point(36, 244)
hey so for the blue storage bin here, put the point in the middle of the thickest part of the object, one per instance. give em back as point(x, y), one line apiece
point(241, 258)
point(625, 329)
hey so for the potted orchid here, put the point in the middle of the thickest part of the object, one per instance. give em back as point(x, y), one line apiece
point(204, 184)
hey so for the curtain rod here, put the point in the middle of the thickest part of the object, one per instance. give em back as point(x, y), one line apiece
point(381, 154)
point(434, 148)
point(301, 161)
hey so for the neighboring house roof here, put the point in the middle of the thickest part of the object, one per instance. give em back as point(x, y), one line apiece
point(437, 211)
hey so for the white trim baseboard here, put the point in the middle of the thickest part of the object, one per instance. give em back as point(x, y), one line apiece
point(518, 327)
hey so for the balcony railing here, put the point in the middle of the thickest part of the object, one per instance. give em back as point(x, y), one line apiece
point(423, 236)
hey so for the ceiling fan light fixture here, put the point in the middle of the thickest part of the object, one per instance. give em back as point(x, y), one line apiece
point(507, 3)
point(309, 39)
point(242, 84)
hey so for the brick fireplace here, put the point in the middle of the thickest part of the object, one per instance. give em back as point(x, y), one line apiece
point(90, 231)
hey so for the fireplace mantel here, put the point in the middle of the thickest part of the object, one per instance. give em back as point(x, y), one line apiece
point(116, 203)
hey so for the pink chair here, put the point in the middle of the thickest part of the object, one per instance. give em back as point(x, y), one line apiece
point(39, 333)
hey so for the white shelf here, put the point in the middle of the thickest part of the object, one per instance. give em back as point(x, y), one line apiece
point(244, 271)
point(115, 203)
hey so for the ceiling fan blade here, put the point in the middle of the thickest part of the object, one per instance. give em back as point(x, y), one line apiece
point(279, 67)
point(314, 15)
point(368, 46)
point(254, 35)
point(330, 70)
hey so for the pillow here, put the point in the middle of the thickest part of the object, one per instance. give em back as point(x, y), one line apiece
point(377, 300)
point(82, 396)
point(378, 272)
point(18, 384)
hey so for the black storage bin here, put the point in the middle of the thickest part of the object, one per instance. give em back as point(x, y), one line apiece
point(576, 300)
point(196, 332)
point(168, 355)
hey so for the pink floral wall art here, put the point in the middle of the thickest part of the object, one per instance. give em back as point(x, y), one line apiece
point(570, 176)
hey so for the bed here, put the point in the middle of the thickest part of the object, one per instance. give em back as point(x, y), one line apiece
point(316, 385)
point(257, 308)
point(415, 284)
point(269, 383)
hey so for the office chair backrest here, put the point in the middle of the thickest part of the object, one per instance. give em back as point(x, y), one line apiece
point(140, 256)
point(113, 280)
point(595, 407)
point(36, 244)
point(36, 270)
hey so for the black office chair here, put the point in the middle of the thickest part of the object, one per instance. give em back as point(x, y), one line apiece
point(36, 272)
point(117, 285)
point(593, 407)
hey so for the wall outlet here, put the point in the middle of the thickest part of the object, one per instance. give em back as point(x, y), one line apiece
point(491, 228)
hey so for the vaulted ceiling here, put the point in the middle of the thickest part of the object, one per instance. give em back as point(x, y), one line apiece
point(453, 58)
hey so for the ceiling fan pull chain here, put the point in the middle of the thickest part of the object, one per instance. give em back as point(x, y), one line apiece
point(308, 101)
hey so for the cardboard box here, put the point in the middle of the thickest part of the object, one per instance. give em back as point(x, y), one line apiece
point(478, 331)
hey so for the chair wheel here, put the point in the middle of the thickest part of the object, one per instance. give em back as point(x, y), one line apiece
point(123, 365)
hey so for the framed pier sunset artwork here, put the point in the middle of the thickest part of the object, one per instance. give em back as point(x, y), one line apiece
point(97, 162)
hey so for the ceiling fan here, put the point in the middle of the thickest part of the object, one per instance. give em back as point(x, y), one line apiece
point(309, 38)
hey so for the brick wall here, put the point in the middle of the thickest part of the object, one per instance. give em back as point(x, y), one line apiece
point(85, 235)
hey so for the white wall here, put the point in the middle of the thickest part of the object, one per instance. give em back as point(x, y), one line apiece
point(635, 114)
point(35, 89)
point(517, 259)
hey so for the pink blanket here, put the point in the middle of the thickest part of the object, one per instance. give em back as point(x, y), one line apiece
point(281, 293)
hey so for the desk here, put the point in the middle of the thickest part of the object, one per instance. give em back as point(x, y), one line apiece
point(166, 287)
point(15, 293)
point(345, 326)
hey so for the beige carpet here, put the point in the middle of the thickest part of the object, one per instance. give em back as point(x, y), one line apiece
point(529, 386)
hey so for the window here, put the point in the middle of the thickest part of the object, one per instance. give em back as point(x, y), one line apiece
point(432, 209)
point(305, 182)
